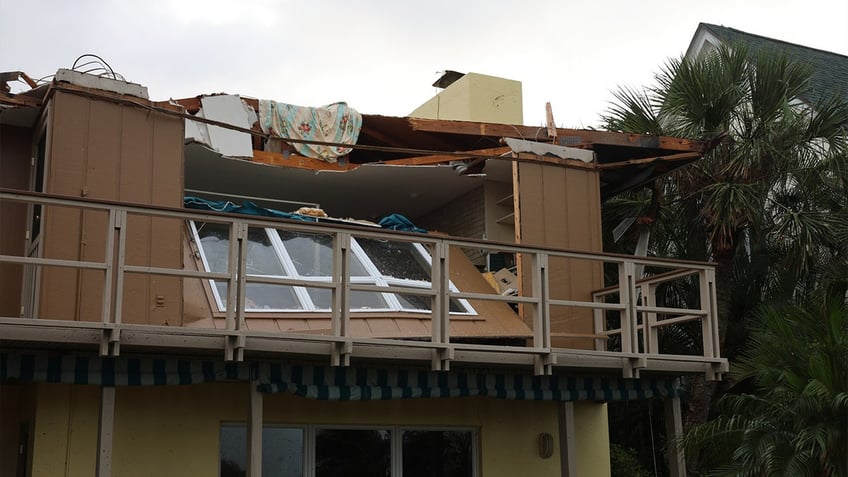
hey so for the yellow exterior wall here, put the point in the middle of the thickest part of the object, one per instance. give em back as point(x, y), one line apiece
point(171, 431)
point(509, 430)
point(65, 432)
point(175, 430)
point(592, 439)
point(476, 97)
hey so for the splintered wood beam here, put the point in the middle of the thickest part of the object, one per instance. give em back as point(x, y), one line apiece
point(162, 106)
point(191, 105)
point(527, 157)
point(445, 158)
point(18, 100)
point(648, 160)
point(566, 137)
point(301, 162)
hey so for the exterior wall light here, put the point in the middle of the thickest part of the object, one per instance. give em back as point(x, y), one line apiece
point(546, 445)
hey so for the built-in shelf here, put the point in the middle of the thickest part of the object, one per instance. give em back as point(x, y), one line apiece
point(507, 219)
point(506, 201)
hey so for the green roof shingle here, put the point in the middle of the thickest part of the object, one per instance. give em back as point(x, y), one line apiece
point(829, 70)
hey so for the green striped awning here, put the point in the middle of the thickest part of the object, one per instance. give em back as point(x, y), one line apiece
point(354, 383)
point(86, 369)
point(324, 382)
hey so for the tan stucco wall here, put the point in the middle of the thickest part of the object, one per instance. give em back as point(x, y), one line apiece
point(174, 430)
point(592, 446)
point(65, 431)
point(476, 97)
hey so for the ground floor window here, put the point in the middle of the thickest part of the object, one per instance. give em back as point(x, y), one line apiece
point(327, 451)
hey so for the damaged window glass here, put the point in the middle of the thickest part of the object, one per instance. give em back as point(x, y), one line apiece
point(308, 257)
point(261, 260)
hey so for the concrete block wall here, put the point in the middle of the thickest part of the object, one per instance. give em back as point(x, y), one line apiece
point(461, 217)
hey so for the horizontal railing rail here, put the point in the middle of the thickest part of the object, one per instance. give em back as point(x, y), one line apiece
point(625, 332)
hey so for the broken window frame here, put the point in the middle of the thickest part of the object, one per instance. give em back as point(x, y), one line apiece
point(394, 304)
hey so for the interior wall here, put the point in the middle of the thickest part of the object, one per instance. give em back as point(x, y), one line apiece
point(561, 207)
point(461, 217)
point(15, 153)
point(102, 150)
point(500, 211)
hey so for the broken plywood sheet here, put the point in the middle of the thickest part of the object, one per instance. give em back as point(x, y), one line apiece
point(231, 110)
point(543, 149)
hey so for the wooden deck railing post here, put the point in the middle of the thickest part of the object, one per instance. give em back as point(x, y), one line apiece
point(541, 312)
point(242, 291)
point(705, 285)
point(627, 295)
point(237, 257)
point(105, 431)
point(441, 306)
point(649, 330)
point(254, 431)
point(599, 319)
point(113, 287)
point(339, 345)
point(341, 298)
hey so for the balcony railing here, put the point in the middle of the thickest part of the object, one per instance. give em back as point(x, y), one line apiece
point(638, 323)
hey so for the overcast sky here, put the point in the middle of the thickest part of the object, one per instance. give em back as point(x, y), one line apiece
point(381, 56)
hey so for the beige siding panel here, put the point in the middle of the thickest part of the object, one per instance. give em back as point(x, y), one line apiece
point(135, 180)
point(67, 146)
point(412, 327)
point(322, 325)
point(167, 190)
point(15, 152)
point(383, 327)
point(108, 151)
point(262, 324)
point(560, 207)
point(360, 328)
point(101, 165)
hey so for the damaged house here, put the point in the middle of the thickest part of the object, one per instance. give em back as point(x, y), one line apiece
point(227, 286)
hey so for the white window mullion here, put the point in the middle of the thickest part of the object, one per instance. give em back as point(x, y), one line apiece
point(397, 452)
point(205, 262)
point(309, 451)
point(366, 262)
point(291, 270)
point(422, 250)
point(391, 298)
point(374, 273)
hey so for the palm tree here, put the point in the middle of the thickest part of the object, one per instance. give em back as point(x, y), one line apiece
point(767, 204)
point(793, 420)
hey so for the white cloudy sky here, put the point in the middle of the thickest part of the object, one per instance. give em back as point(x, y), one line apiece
point(381, 56)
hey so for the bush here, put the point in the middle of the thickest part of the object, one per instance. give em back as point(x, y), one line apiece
point(624, 463)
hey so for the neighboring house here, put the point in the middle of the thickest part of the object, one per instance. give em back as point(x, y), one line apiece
point(145, 332)
point(829, 71)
